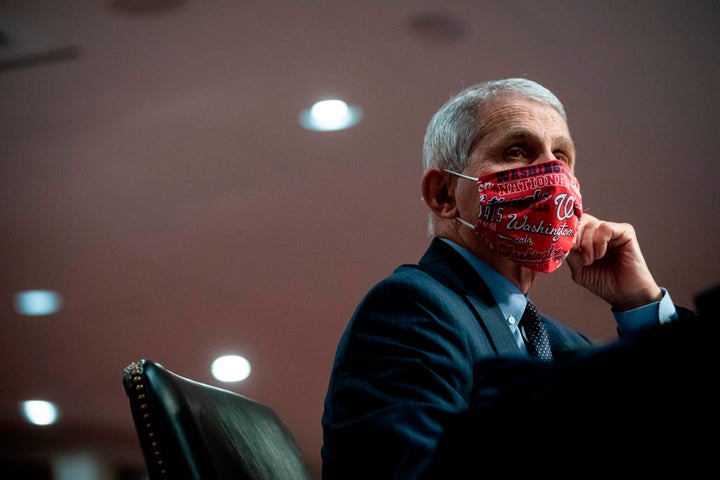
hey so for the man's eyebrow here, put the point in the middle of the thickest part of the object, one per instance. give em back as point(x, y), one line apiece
point(515, 135)
point(521, 134)
point(565, 143)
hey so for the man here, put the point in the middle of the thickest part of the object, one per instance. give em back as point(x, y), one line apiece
point(451, 335)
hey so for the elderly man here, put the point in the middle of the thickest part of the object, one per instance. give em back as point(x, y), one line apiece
point(434, 347)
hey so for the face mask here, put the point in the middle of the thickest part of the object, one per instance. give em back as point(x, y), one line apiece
point(529, 214)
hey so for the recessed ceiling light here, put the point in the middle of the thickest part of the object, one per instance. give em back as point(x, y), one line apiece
point(437, 27)
point(37, 302)
point(146, 7)
point(39, 412)
point(230, 368)
point(328, 115)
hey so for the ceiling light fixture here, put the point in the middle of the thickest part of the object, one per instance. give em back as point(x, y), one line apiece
point(39, 412)
point(438, 28)
point(230, 368)
point(146, 7)
point(329, 115)
point(38, 302)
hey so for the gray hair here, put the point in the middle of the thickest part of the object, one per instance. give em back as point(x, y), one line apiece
point(457, 127)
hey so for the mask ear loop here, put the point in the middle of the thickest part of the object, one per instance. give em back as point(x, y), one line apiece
point(466, 223)
point(474, 179)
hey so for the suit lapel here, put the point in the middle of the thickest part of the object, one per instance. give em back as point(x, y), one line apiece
point(450, 268)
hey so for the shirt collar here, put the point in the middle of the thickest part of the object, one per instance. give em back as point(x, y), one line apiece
point(508, 297)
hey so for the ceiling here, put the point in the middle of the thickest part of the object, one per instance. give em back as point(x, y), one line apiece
point(153, 171)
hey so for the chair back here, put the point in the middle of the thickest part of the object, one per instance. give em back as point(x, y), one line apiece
point(189, 430)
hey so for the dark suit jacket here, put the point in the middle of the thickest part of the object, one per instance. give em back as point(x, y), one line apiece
point(417, 362)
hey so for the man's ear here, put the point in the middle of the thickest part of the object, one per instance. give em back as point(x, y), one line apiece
point(438, 191)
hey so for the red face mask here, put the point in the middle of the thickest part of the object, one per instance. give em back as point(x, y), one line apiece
point(529, 214)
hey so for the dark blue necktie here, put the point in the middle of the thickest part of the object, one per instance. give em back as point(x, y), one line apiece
point(534, 333)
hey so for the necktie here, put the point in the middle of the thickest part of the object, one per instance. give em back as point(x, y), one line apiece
point(536, 337)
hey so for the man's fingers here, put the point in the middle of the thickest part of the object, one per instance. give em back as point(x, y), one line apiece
point(594, 237)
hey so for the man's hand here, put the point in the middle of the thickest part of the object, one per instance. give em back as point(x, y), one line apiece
point(607, 260)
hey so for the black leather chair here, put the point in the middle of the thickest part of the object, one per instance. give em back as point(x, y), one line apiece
point(194, 431)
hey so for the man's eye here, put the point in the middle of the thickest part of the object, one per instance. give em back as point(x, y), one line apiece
point(515, 152)
point(560, 155)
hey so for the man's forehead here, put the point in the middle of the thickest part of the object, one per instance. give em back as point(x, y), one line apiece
point(515, 117)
